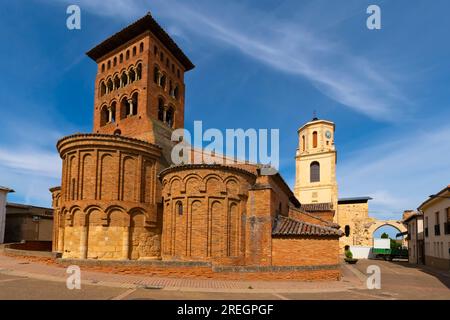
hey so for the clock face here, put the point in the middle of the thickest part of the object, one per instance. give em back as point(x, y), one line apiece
point(328, 134)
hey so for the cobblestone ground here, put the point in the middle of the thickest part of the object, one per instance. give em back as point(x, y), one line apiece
point(34, 279)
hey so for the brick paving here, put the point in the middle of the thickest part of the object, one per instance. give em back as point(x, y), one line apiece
point(46, 269)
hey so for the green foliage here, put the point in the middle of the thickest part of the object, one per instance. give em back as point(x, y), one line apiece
point(348, 254)
point(384, 236)
point(395, 245)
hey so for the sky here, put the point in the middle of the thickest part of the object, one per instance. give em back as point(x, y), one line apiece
point(260, 64)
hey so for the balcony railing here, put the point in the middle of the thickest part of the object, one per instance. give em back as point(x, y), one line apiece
point(437, 230)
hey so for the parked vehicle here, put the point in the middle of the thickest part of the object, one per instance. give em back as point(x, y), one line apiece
point(382, 249)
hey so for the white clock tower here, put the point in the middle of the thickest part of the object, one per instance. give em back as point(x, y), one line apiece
point(315, 180)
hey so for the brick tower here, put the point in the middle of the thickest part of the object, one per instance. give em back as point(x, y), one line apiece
point(139, 87)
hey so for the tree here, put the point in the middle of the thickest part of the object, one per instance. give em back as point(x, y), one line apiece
point(384, 236)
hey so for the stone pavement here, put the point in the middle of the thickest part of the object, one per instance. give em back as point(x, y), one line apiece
point(14, 266)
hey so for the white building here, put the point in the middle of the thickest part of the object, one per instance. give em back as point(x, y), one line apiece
point(436, 217)
point(3, 194)
point(414, 224)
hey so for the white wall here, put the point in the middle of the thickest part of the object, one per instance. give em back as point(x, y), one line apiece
point(361, 252)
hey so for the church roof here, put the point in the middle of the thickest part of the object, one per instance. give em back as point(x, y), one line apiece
point(285, 226)
point(315, 207)
point(354, 200)
point(146, 23)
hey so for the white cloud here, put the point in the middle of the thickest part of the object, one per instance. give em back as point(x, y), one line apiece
point(348, 79)
point(399, 172)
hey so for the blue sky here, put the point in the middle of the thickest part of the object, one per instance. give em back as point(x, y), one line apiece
point(272, 63)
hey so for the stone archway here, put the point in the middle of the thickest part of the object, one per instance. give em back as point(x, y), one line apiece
point(375, 225)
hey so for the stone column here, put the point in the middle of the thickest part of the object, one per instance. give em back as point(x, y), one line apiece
point(131, 107)
point(84, 242)
point(126, 243)
point(109, 115)
point(61, 230)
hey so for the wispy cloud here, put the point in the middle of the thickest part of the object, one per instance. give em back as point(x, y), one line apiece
point(399, 172)
point(350, 80)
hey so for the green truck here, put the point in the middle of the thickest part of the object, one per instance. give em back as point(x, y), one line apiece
point(382, 250)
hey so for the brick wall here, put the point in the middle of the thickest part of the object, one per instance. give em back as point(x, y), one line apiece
point(305, 251)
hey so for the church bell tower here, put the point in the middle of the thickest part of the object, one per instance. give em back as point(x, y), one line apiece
point(315, 180)
point(139, 88)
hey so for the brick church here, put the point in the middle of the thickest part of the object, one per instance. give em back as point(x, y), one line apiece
point(122, 199)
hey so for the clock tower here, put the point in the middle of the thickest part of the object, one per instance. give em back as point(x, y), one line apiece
point(315, 179)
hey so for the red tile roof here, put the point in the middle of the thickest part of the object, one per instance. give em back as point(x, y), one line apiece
point(290, 227)
point(311, 207)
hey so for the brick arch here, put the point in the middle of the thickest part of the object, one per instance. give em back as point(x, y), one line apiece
point(217, 229)
point(211, 187)
point(232, 190)
point(173, 188)
point(198, 232)
point(196, 188)
point(374, 226)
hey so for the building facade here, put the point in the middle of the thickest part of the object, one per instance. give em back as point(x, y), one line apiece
point(3, 195)
point(415, 238)
point(315, 180)
point(121, 198)
point(317, 190)
point(28, 223)
point(436, 219)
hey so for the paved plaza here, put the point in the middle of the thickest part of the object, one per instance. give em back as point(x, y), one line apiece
point(26, 279)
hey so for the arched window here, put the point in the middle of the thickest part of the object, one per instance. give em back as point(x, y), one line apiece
point(179, 208)
point(139, 72)
point(103, 67)
point(176, 92)
point(315, 139)
point(169, 116)
point(132, 75)
point(110, 85)
point(161, 109)
point(141, 47)
point(127, 55)
point(171, 89)
point(124, 108)
point(124, 79)
point(134, 51)
point(102, 88)
point(347, 230)
point(109, 64)
point(315, 172)
point(161, 56)
point(121, 58)
point(162, 82)
point(116, 82)
point(167, 62)
point(112, 114)
point(155, 50)
point(134, 100)
point(115, 62)
point(156, 75)
point(303, 143)
point(104, 116)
